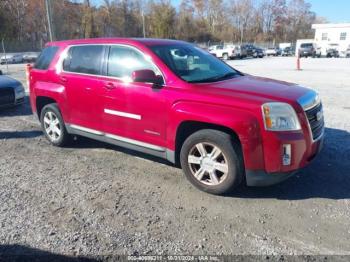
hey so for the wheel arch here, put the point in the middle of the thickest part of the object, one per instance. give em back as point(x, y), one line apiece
point(187, 128)
point(41, 102)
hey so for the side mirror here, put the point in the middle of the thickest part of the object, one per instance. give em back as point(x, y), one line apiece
point(146, 76)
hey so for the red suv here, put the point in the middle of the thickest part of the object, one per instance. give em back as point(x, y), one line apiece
point(176, 101)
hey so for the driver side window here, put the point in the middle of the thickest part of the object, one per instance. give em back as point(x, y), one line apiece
point(123, 60)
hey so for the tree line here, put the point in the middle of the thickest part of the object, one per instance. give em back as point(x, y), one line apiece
point(24, 24)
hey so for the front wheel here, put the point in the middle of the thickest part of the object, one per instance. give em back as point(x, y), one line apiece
point(212, 161)
point(53, 125)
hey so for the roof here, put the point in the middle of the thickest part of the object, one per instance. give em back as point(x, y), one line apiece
point(324, 26)
point(144, 41)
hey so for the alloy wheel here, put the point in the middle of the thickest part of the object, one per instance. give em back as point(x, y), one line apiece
point(52, 126)
point(208, 164)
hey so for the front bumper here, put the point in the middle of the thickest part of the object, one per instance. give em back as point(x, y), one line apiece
point(275, 172)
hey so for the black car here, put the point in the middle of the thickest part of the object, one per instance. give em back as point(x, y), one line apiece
point(11, 92)
point(252, 51)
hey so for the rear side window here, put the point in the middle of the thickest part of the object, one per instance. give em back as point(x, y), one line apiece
point(44, 60)
point(84, 59)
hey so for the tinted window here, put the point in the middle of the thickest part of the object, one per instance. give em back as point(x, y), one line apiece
point(193, 64)
point(306, 45)
point(124, 60)
point(46, 57)
point(84, 59)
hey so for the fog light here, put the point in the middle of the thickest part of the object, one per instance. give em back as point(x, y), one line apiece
point(287, 155)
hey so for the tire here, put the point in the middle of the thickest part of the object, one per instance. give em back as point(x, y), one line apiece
point(52, 122)
point(228, 160)
point(225, 56)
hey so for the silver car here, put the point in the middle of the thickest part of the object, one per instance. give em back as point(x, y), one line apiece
point(30, 57)
point(11, 59)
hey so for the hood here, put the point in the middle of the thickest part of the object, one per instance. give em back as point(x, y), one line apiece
point(6, 81)
point(257, 88)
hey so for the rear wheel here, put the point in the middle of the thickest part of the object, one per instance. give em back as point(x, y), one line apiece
point(212, 161)
point(225, 56)
point(53, 125)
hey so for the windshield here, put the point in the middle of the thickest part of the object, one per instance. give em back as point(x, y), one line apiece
point(193, 64)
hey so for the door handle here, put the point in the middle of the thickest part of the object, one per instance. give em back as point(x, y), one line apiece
point(63, 79)
point(109, 86)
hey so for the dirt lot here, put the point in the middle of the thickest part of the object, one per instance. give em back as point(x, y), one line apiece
point(96, 199)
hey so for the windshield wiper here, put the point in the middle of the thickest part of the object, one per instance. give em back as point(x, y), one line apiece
point(215, 78)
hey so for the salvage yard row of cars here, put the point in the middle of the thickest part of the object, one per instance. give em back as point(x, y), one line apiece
point(231, 51)
point(17, 58)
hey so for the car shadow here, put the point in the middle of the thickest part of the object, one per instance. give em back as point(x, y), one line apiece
point(20, 134)
point(19, 110)
point(22, 253)
point(86, 143)
point(328, 176)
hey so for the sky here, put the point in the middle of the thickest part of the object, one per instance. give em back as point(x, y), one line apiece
point(335, 11)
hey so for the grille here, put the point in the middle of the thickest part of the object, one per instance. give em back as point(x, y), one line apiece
point(7, 96)
point(316, 125)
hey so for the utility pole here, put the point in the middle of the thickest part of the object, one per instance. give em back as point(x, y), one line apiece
point(49, 21)
point(3, 49)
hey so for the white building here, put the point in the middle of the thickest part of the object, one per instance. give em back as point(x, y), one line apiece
point(332, 36)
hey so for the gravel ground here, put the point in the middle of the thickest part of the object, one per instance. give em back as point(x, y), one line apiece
point(95, 199)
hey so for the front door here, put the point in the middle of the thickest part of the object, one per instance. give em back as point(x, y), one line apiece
point(133, 112)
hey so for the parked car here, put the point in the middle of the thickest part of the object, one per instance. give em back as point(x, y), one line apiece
point(333, 50)
point(259, 52)
point(11, 92)
point(347, 52)
point(11, 59)
point(6, 59)
point(220, 125)
point(287, 51)
point(271, 51)
point(309, 49)
point(226, 52)
point(30, 57)
point(252, 51)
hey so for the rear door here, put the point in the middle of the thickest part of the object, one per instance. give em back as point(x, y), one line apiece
point(81, 76)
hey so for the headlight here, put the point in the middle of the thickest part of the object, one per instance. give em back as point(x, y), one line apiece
point(280, 117)
point(19, 89)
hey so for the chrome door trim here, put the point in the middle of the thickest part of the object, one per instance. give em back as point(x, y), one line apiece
point(88, 130)
point(135, 142)
point(118, 138)
point(122, 114)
